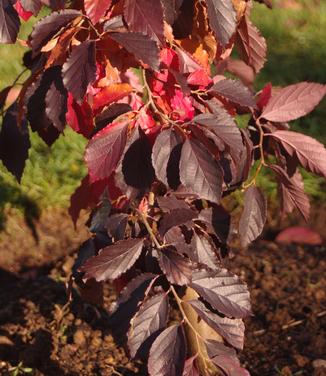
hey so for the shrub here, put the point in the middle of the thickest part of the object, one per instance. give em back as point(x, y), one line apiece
point(149, 84)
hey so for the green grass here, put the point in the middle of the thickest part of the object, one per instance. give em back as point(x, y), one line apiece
point(297, 52)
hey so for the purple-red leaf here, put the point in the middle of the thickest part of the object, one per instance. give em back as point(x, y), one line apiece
point(48, 26)
point(310, 153)
point(203, 252)
point(299, 235)
point(114, 260)
point(33, 6)
point(56, 104)
point(294, 101)
point(140, 45)
point(165, 142)
point(251, 44)
point(96, 9)
point(80, 69)
point(232, 330)
point(222, 19)
point(9, 22)
point(292, 190)
point(168, 353)
point(190, 368)
point(105, 149)
point(148, 321)
point(14, 142)
point(223, 291)
point(217, 220)
point(199, 171)
point(234, 91)
point(176, 217)
point(253, 217)
point(144, 17)
point(176, 268)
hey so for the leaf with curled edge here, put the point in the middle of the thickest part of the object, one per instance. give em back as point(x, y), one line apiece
point(110, 94)
point(9, 22)
point(105, 149)
point(164, 144)
point(147, 323)
point(114, 260)
point(223, 291)
point(107, 116)
point(293, 101)
point(310, 153)
point(140, 45)
point(14, 142)
point(168, 353)
point(80, 69)
point(190, 368)
point(48, 26)
point(292, 190)
point(234, 91)
point(232, 330)
point(176, 268)
point(96, 9)
point(176, 217)
point(222, 19)
point(254, 215)
point(225, 358)
point(200, 172)
point(225, 128)
point(145, 18)
point(202, 251)
point(252, 44)
point(80, 116)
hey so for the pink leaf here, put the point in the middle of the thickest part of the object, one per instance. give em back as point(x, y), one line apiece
point(301, 235)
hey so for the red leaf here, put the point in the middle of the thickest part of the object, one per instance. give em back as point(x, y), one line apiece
point(85, 196)
point(24, 14)
point(96, 9)
point(310, 153)
point(80, 117)
point(294, 101)
point(253, 217)
point(199, 78)
point(110, 94)
point(264, 96)
point(33, 6)
point(105, 149)
point(145, 18)
point(301, 235)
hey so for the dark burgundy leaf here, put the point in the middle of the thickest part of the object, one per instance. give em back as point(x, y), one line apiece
point(9, 22)
point(96, 9)
point(114, 24)
point(54, 4)
point(48, 26)
point(33, 6)
point(223, 291)
point(200, 172)
point(114, 260)
point(146, 18)
point(169, 203)
point(222, 19)
point(100, 216)
point(146, 324)
point(183, 23)
point(85, 196)
point(232, 330)
point(217, 220)
point(14, 142)
point(202, 251)
point(292, 190)
point(234, 91)
point(165, 142)
point(190, 368)
point(116, 225)
point(310, 153)
point(176, 238)
point(251, 44)
point(80, 69)
point(105, 149)
point(176, 268)
point(171, 8)
point(128, 304)
point(137, 166)
point(140, 45)
point(56, 104)
point(225, 128)
point(168, 353)
point(109, 114)
point(253, 217)
point(3, 96)
point(176, 217)
point(294, 101)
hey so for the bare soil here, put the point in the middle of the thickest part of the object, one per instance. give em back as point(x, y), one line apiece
point(286, 336)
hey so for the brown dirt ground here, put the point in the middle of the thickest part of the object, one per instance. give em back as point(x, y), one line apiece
point(284, 337)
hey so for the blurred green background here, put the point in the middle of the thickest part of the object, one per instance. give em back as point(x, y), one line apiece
point(295, 31)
